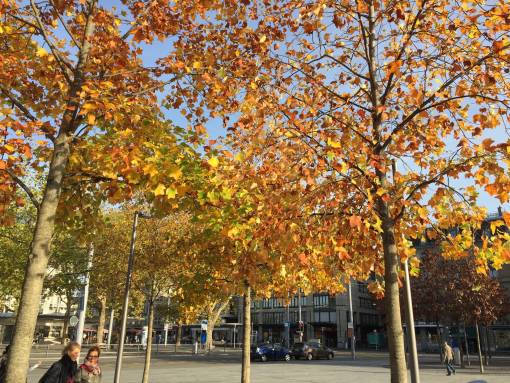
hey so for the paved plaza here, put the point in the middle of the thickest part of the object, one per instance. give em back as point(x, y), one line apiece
point(224, 366)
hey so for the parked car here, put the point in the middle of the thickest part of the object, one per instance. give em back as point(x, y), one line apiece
point(266, 352)
point(311, 351)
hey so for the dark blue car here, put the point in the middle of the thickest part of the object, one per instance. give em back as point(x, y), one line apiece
point(267, 352)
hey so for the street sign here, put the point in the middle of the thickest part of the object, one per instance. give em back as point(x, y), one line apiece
point(349, 325)
point(204, 324)
point(286, 324)
point(73, 321)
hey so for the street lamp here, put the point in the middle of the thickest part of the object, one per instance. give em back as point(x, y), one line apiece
point(120, 351)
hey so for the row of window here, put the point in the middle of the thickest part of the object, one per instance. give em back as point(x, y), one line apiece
point(319, 301)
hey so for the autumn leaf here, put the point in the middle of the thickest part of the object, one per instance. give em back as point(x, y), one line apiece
point(213, 161)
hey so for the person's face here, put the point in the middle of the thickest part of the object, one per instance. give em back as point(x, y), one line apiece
point(93, 357)
point(74, 354)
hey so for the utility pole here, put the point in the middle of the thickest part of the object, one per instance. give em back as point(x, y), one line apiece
point(415, 368)
point(85, 297)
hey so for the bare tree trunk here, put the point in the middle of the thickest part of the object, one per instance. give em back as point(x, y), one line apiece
point(178, 336)
point(37, 263)
point(102, 319)
point(147, 364)
point(213, 317)
point(392, 303)
point(245, 368)
point(67, 315)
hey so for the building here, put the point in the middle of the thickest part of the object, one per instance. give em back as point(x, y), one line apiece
point(324, 317)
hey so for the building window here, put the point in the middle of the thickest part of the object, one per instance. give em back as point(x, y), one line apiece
point(320, 301)
point(363, 287)
point(365, 302)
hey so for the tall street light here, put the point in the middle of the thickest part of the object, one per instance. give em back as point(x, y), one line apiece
point(415, 367)
point(120, 351)
point(351, 324)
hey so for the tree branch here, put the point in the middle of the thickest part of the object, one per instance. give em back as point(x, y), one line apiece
point(64, 67)
point(18, 103)
point(24, 186)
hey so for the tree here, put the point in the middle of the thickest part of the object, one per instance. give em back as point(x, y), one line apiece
point(71, 77)
point(66, 269)
point(346, 91)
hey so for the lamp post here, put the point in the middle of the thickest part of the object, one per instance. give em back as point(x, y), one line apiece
point(351, 318)
point(120, 351)
point(415, 368)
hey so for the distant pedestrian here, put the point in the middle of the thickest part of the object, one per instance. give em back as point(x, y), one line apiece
point(89, 371)
point(3, 364)
point(64, 370)
point(448, 358)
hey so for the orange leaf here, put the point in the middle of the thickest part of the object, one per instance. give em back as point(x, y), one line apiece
point(355, 221)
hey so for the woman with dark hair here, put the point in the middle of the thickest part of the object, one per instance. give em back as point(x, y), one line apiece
point(89, 371)
point(65, 369)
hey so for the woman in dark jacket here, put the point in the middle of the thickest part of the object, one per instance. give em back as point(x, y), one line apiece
point(65, 369)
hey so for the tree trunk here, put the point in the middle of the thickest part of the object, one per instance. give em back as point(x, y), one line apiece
point(213, 317)
point(466, 345)
point(479, 347)
point(67, 315)
point(392, 302)
point(102, 320)
point(37, 262)
point(178, 336)
point(147, 364)
point(245, 368)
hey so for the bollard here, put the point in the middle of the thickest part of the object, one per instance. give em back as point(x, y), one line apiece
point(196, 348)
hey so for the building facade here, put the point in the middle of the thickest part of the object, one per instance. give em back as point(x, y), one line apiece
point(325, 317)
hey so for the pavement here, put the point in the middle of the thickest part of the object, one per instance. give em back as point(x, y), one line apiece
point(224, 366)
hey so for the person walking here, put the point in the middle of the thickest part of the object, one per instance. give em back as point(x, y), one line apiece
point(448, 358)
point(89, 371)
point(64, 370)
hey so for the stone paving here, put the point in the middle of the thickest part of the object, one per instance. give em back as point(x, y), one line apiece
point(225, 367)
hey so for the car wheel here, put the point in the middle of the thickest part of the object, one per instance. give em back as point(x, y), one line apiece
point(309, 356)
point(297, 357)
point(263, 358)
point(287, 357)
point(330, 356)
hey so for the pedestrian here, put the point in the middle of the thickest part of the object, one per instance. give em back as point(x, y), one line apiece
point(448, 358)
point(64, 370)
point(3, 364)
point(89, 371)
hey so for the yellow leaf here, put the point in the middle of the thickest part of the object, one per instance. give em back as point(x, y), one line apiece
point(175, 172)
point(9, 148)
point(334, 144)
point(214, 162)
point(160, 190)
point(41, 52)
point(91, 119)
point(89, 106)
point(262, 38)
point(197, 65)
point(171, 193)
